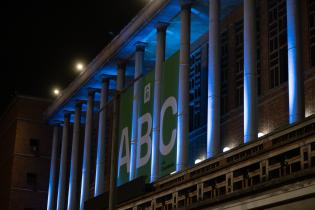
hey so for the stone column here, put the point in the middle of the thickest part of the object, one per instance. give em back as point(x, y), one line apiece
point(160, 57)
point(250, 72)
point(100, 161)
point(73, 181)
point(61, 198)
point(139, 68)
point(121, 65)
point(183, 88)
point(295, 63)
point(214, 84)
point(86, 167)
point(53, 169)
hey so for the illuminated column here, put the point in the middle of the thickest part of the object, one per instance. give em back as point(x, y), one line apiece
point(73, 181)
point(121, 65)
point(214, 96)
point(295, 66)
point(53, 166)
point(139, 68)
point(85, 181)
point(183, 89)
point(61, 198)
point(100, 161)
point(121, 68)
point(160, 57)
point(250, 72)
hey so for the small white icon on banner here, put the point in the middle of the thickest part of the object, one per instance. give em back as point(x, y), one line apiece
point(147, 92)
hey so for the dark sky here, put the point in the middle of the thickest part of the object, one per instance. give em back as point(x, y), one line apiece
point(43, 40)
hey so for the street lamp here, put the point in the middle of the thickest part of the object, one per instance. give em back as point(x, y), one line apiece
point(56, 91)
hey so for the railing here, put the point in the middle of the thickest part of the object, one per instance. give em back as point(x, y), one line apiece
point(282, 155)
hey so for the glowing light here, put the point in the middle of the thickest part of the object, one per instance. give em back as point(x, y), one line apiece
point(225, 149)
point(198, 161)
point(80, 67)
point(173, 172)
point(56, 92)
point(260, 134)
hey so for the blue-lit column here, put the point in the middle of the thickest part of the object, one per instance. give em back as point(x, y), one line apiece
point(61, 198)
point(160, 57)
point(295, 65)
point(53, 169)
point(250, 72)
point(121, 66)
point(100, 160)
point(183, 88)
point(85, 181)
point(214, 96)
point(139, 68)
point(73, 201)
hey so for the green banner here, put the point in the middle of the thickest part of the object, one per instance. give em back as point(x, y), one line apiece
point(168, 116)
point(168, 119)
point(145, 125)
point(124, 136)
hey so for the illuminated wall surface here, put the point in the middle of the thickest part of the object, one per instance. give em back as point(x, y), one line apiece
point(167, 146)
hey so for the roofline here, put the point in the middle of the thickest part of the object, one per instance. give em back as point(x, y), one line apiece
point(138, 22)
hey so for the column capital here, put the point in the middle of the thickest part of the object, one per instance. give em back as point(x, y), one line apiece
point(79, 103)
point(185, 4)
point(92, 91)
point(121, 63)
point(67, 113)
point(140, 46)
point(161, 26)
point(56, 123)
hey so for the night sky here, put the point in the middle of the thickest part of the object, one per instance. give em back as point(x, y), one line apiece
point(44, 39)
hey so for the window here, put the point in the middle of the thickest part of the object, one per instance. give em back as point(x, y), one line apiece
point(31, 180)
point(258, 49)
point(195, 90)
point(311, 28)
point(224, 72)
point(278, 48)
point(239, 62)
point(34, 144)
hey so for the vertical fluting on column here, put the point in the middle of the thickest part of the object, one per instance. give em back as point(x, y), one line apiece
point(85, 181)
point(160, 57)
point(61, 198)
point(121, 65)
point(73, 201)
point(139, 68)
point(100, 160)
point(214, 96)
point(183, 88)
point(250, 72)
point(51, 201)
point(295, 64)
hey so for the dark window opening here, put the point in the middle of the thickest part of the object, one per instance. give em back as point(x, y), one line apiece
point(239, 62)
point(31, 180)
point(224, 71)
point(311, 28)
point(278, 48)
point(34, 144)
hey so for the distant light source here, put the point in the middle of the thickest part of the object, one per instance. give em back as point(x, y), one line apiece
point(173, 172)
point(197, 161)
point(225, 149)
point(80, 67)
point(56, 92)
point(260, 134)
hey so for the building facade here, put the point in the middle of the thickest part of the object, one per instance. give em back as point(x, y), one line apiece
point(198, 97)
point(25, 155)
